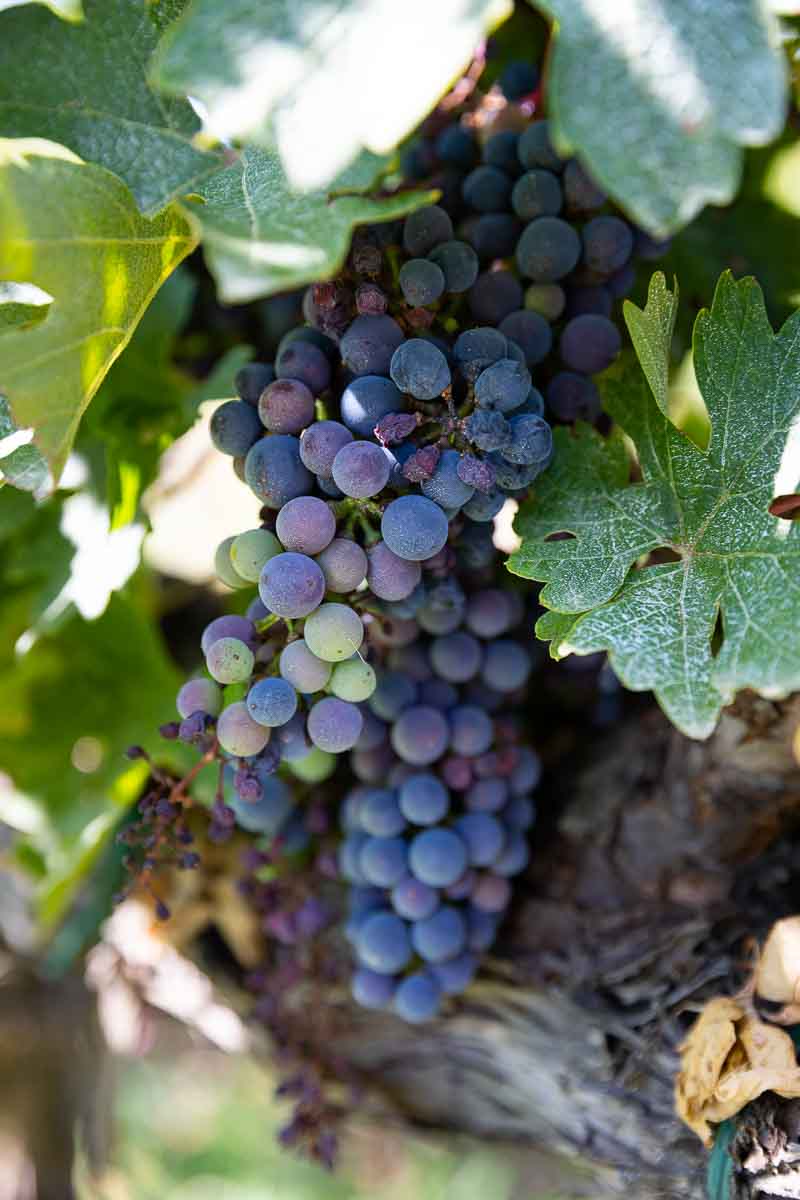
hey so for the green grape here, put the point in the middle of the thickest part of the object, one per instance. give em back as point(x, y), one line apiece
point(224, 567)
point(250, 550)
point(334, 632)
point(353, 680)
point(316, 766)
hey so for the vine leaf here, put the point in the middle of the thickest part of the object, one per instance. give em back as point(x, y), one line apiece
point(74, 231)
point(261, 237)
point(76, 782)
point(321, 79)
point(675, 89)
point(93, 97)
point(22, 305)
point(737, 566)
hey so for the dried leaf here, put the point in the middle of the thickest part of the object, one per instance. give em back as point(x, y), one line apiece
point(729, 1058)
point(778, 970)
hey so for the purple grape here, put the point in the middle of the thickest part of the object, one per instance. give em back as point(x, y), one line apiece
point(420, 369)
point(487, 189)
point(487, 795)
point(372, 990)
point(199, 695)
point(251, 380)
point(423, 799)
point(484, 836)
point(548, 250)
point(369, 343)
point(361, 469)
point(456, 657)
point(471, 729)
point(305, 362)
point(366, 400)
point(286, 406)
point(426, 228)
point(455, 975)
point(235, 427)
point(506, 666)
point(515, 856)
point(589, 343)
point(421, 282)
point(444, 485)
point(379, 813)
point(580, 192)
point(535, 149)
point(414, 900)
point(573, 397)
point(238, 733)
point(607, 244)
point(530, 332)
point(320, 444)
point(334, 725)
point(459, 265)
point(274, 471)
point(493, 296)
point(302, 669)
point(344, 565)
point(391, 577)
point(383, 943)
point(491, 893)
point(441, 936)
point(438, 857)
point(384, 861)
point(417, 997)
point(414, 527)
point(272, 702)
point(291, 585)
point(420, 735)
point(537, 194)
point(306, 524)
point(489, 613)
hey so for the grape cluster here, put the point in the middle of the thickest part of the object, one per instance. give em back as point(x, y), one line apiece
point(383, 440)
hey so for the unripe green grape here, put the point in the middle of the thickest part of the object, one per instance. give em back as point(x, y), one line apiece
point(353, 680)
point(316, 766)
point(230, 660)
point(333, 632)
point(250, 550)
point(224, 567)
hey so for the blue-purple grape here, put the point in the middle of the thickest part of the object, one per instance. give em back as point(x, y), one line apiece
point(291, 585)
point(334, 725)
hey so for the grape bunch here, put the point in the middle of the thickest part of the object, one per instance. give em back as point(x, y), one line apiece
point(387, 435)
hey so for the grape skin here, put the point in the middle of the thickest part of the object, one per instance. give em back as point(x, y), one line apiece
point(238, 733)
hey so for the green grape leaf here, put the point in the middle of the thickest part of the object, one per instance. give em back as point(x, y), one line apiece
point(260, 237)
point(651, 329)
point(24, 468)
point(724, 614)
point(141, 406)
point(659, 96)
point(321, 79)
point(70, 10)
point(95, 687)
point(91, 94)
point(35, 559)
point(74, 230)
point(22, 305)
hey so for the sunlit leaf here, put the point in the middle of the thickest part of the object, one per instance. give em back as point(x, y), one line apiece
point(74, 231)
point(321, 79)
point(90, 93)
point(735, 563)
point(659, 96)
point(260, 237)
